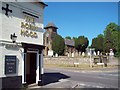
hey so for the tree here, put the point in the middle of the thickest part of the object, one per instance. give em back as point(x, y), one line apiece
point(68, 37)
point(81, 43)
point(58, 45)
point(98, 43)
point(76, 42)
point(118, 48)
point(94, 43)
point(111, 37)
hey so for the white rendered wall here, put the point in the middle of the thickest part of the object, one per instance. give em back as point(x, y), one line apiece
point(0, 38)
point(11, 51)
point(1, 61)
point(12, 24)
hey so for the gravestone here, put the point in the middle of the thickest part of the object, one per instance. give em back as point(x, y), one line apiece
point(56, 55)
point(111, 52)
point(83, 53)
point(94, 53)
point(50, 53)
point(73, 54)
point(98, 53)
point(68, 55)
point(106, 54)
point(88, 53)
point(79, 53)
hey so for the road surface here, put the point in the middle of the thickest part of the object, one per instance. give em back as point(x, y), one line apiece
point(66, 78)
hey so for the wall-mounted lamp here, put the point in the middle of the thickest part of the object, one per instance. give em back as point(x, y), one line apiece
point(13, 37)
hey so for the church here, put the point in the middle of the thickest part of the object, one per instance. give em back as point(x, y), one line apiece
point(51, 30)
point(21, 43)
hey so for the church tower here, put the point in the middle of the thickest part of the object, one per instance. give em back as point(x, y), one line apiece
point(51, 30)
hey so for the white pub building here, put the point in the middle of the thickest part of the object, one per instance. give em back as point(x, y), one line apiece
point(21, 43)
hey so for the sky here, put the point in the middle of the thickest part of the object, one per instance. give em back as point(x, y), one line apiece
point(81, 18)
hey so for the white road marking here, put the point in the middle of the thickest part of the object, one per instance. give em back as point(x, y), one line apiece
point(88, 85)
point(83, 72)
point(82, 84)
point(76, 71)
point(63, 80)
point(111, 74)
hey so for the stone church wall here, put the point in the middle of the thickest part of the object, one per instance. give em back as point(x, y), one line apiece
point(70, 61)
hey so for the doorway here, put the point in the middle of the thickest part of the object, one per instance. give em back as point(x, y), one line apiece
point(31, 67)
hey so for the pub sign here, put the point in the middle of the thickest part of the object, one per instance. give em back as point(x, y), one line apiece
point(10, 64)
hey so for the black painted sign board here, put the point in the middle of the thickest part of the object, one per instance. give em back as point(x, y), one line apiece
point(10, 64)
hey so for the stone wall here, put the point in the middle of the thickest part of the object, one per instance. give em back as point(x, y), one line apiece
point(66, 60)
point(71, 61)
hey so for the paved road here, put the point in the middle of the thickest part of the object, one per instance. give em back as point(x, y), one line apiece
point(64, 78)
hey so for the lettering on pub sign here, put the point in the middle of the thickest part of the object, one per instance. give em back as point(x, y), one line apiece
point(10, 64)
point(28, 27)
